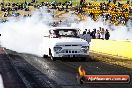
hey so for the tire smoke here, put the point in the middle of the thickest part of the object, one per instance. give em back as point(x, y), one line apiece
point(26, 34)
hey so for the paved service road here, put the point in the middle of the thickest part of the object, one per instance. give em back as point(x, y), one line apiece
point(42, 72)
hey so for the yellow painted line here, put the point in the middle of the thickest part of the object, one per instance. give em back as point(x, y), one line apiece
point(116, 48)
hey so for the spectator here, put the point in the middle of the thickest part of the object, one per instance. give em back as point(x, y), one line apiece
point(5, 15)
point(82, 2)
point(109, 1)
point(107, 35)
point(114, 1)
point(106, 9)
point(85, 36)
point(127, 2)
point(100, 29)
point(98, 34)
point(93, 34)
point(89, 32)
point(85, 32)
point(33, 1)
point(102, 34)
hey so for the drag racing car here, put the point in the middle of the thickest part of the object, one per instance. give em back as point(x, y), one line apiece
point(65, 42)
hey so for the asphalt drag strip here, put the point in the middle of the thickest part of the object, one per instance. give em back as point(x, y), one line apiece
point(9, 76)
point(64, 72)
point(33, 77)
point(44, 73)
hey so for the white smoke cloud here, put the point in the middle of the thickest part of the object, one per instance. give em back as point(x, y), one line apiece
point(26, 35)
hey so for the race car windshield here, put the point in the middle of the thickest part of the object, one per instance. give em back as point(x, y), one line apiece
point(66, 32)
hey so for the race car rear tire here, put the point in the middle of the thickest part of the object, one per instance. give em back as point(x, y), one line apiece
point(45, 56)
point(83, 59)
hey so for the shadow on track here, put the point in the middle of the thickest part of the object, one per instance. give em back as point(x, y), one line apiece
point(88, 59)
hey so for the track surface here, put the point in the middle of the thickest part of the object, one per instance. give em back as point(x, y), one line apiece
point(9, 75)
point(44, 73)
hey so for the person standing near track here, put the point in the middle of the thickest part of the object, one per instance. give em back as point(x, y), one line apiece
point(102, 34)
point(107, 34)
point(93, 34)
point(85, 32)
point(97, 34)
point(82, 2)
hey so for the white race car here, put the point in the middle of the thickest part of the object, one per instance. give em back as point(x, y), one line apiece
point(65, 42)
